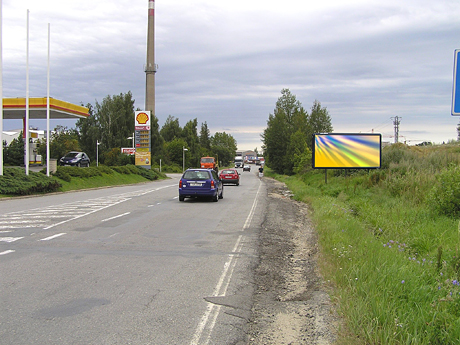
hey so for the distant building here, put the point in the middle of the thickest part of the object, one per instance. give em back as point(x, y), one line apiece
point(9, 136)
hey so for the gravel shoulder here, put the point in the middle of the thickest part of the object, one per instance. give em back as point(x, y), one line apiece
point(291, 302)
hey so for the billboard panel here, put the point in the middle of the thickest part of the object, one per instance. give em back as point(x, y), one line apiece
point(347, 151)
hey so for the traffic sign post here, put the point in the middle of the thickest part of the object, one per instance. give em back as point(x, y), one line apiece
point(456, 86)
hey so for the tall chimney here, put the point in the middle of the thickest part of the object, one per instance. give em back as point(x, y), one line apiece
point(151, 67)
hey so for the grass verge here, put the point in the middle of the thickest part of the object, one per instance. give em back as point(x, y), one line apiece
point(392, 258)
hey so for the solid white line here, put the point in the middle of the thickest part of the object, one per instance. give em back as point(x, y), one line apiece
point(120, 215)
point(7, 252)
point(51, 237)
point(208, 321)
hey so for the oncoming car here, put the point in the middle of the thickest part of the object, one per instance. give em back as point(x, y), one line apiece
point(196, 183)
point(74, 158)
point(247, 168)
point(230, 176)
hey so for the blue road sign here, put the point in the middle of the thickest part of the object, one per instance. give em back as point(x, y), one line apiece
point(456, 86)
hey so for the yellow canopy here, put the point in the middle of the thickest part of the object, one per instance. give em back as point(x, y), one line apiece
point(15, 108)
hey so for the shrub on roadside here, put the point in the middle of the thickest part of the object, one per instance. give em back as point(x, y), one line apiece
point(15, 182)
point(445, 195)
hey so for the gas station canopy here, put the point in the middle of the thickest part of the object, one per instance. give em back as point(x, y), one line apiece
point(15, 108)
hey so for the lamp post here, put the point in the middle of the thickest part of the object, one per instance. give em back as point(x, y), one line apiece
point(131, 138)
point(183, 158)
point(97, 152)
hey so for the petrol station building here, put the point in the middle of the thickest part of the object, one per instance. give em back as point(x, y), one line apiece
point(16, 108)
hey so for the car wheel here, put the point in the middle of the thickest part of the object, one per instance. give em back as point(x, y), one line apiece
point(181, 198)
point(79, 165)
point(238, 183)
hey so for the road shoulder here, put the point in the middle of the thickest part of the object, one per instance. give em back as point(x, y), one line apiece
point(291, 302)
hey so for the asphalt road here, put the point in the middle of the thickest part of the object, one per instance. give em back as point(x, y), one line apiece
point(129, 265)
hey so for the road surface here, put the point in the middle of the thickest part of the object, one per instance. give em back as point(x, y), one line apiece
point(128, 265)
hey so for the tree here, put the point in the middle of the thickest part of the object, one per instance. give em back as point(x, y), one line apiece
point(13, 154)
point(89, 133)
point(288, 137)
point(62, 140)
point(190, 135)
point(110, 123)
point(458, 132)
point(171, 129)
point(205, 137)
point(224, 146)
point(319, 120)
point(156, 140)
point(275, 138)
point(173, 150)
point(115, 116)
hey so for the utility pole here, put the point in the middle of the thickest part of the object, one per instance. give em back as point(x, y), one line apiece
point(396, 123)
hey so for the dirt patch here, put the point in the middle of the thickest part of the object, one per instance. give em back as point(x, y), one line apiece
point(291, 303)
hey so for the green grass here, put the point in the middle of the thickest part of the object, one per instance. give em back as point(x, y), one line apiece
point(105, 180)
point(389, 251)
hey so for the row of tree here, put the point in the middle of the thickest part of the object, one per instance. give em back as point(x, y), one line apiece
point(288, 138)
point(111, 124)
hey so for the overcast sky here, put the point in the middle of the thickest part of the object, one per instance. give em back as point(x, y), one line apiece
point(226, 62)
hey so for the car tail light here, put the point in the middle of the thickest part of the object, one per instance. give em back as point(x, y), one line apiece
point(180, 184)
point(212, 184)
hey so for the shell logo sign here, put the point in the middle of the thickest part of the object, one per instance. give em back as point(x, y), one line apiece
point(142, 119)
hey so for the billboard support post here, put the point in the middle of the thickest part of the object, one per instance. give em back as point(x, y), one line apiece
point(456, 87)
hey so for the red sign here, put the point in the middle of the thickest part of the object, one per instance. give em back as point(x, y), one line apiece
point(128, 150)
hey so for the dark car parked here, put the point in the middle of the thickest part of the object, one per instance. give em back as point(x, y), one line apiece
point(200, 183)
point(74, 158)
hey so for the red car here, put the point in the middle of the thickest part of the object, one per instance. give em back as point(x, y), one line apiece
point(230, 176)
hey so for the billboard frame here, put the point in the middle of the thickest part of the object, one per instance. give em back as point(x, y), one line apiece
point(314, 148)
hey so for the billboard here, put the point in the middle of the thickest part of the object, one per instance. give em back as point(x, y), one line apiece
point(347, 151)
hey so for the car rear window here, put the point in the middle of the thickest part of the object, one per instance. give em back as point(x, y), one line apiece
point(196, 175)
point(228, 172)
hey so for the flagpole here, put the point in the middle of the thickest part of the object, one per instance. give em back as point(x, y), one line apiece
point(48, 108)
point(26, 123)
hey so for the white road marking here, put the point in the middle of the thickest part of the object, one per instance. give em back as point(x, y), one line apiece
point(82, 215)
point(208, 321)
point(120, 215)
point(52, 237)
point(7, 252)
point(10, 239)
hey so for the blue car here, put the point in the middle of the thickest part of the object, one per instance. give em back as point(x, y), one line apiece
point(200, 183)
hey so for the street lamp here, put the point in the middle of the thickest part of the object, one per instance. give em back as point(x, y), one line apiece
point(183, 158)
point(131, 138)
point(97, 152)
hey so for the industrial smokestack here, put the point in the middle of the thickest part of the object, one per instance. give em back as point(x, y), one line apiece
point(151, 67)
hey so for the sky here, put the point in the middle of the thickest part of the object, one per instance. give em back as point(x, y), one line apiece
point(226, 62)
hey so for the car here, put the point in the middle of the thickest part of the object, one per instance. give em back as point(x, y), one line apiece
point(230, 176)
point(247, 168)
point(75, 158)
point(196, 183)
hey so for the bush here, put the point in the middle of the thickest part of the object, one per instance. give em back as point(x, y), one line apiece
point(445, 195)
point(15, 182)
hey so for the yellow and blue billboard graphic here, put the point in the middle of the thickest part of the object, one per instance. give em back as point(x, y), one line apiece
point(347, 151)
